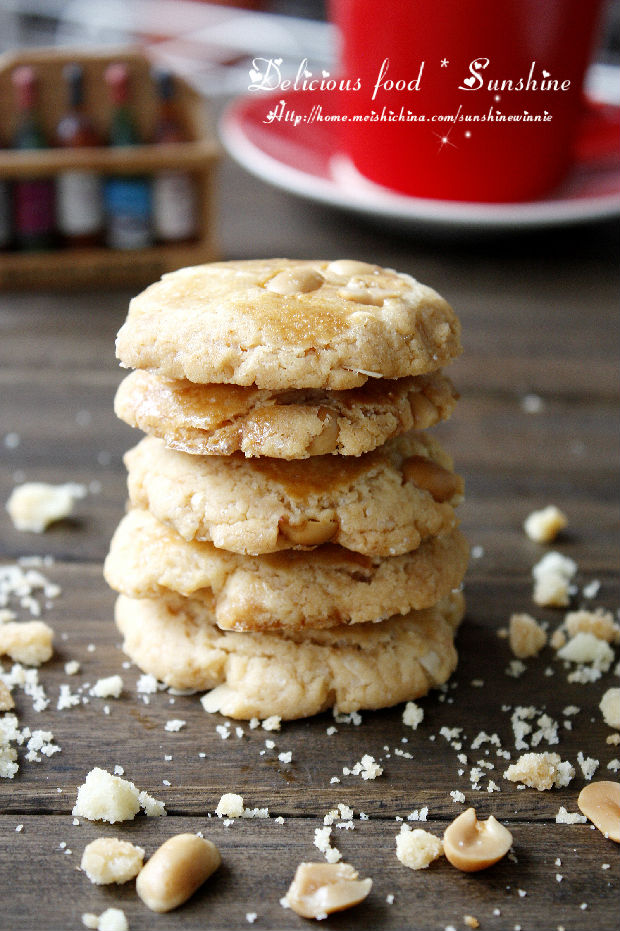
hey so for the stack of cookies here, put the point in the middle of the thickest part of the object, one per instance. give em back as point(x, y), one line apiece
point(291, 543)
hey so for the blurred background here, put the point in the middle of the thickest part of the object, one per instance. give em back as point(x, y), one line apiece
point(209, 43)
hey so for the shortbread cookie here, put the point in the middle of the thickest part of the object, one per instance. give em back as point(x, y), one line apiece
point(290, 589)
point(288, 674)
point(280, 324)
point(223, 419)
point(382, 504)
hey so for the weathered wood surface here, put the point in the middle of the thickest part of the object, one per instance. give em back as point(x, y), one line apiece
point(539, 316)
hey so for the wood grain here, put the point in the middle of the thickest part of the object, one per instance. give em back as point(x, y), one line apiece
point(537, 317)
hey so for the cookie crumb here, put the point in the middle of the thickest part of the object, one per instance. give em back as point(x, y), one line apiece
point(322, 840)
point(543, 526)
point(588, 765)
point(113, 919)
point(525, 635)
point(6, 699)
point(566, 817)
point(33, 506)
point(367, 768)
point(532, 403)
point(599, 623)
point(103, 797)
point(110, 860)
point(540, 771)
point(230, 805)
point(584, 648)
point(174, 724)
point(413, 715)
point(110, 687)
point(552, 577)
point(147, 684)
point(28, 642)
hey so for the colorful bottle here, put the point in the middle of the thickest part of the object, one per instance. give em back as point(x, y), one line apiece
point(174, 192)
point(33, 198)
point(79, 194)
point(127, 198)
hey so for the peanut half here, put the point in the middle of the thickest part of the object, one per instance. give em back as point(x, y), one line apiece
point(176, 870)
point(471, 845)
point(345, 268)
point(312, 531)
point(318, 889)
point(295, 281)
point(439, 482)
point(600, 802)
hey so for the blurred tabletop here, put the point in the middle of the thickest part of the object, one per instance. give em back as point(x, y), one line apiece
point(536, 424)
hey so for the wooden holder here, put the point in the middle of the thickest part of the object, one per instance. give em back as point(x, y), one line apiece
point(95, 267)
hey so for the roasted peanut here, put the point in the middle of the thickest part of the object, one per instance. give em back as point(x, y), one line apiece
point(176, 870)
point(423, 411)
point(432, 477)
point(318, 889)
point(600, 802)
point(295, 281)
point(472, 845)
point(326, 440)
point(310, 532)
point(345, 268)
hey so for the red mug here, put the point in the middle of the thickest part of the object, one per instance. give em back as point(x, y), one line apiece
point(463, 100)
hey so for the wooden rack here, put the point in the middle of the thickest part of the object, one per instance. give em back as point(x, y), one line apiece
point(93, 267)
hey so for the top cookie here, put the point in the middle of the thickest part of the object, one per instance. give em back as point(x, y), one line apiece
point(281, 323)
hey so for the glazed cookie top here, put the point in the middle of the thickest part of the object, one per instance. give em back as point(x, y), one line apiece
point(281, 323)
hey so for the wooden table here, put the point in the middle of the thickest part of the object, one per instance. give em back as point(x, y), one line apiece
point(539, 317)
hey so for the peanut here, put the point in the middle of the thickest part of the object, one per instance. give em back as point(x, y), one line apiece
point(176, 870)
point(471, 845)
point(432, 477)
point(600, 802)
point(310, 532)
point(318, 889)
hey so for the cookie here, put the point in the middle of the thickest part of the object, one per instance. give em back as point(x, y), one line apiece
point(223, 419)
point(281, 323)
point(320, 588)
point(291, 674)
point(381, 504)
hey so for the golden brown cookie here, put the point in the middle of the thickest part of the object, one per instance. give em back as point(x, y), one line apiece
point(281, 323)
point(320, 588)
point(287, 673)
point(223, 419)
point(382, 504)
